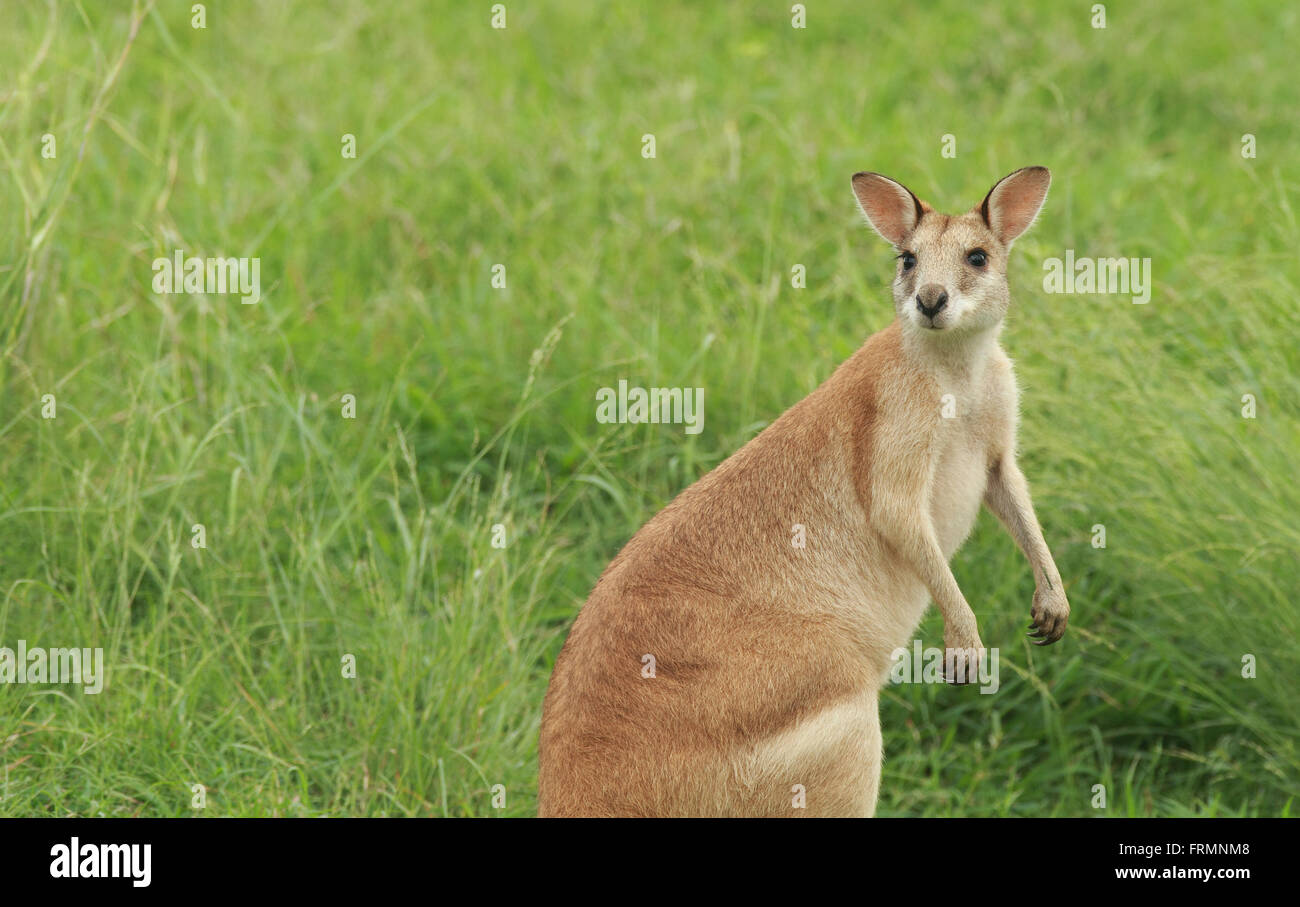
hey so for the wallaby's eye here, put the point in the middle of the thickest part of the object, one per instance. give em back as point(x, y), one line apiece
point(978, 258)
point(909, 261)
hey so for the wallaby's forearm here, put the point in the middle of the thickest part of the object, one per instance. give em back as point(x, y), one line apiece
point(908, 530)
point(1007, 496)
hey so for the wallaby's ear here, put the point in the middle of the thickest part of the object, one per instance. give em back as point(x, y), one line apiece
point(1012, 204)
point(890, 207)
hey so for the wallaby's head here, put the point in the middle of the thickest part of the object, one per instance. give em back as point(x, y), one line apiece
point(952, 269)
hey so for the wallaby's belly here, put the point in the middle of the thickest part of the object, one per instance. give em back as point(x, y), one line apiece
point(826, 765)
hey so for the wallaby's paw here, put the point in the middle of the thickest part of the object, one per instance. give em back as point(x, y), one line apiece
point(961, 665)
point(1050, 613)
point(963, 653)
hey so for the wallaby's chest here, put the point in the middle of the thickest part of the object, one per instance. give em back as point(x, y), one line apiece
point(961, 461)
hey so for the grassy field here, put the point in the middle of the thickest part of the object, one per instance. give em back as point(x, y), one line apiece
point(329, 536)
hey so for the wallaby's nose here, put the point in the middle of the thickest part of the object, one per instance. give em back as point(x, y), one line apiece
point(931, 299)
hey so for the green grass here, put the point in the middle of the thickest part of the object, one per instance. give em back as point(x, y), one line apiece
point(475, 406)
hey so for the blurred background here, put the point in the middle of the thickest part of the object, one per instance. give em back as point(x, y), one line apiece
point(523, 146)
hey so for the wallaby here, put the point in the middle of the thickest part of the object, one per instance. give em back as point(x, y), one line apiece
point(718, 669)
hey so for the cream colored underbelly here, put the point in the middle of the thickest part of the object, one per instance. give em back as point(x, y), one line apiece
point(832, 758)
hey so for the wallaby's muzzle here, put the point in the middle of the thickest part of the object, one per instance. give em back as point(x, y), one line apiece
point(931, 300)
